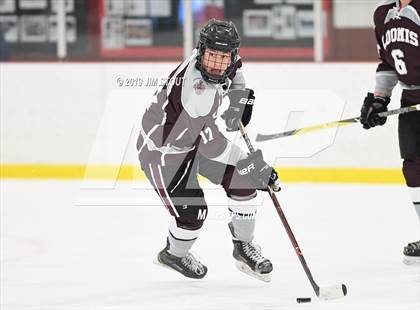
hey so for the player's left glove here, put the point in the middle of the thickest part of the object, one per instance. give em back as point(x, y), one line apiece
point(373, 105)
point(259, 172)
point(240, 108)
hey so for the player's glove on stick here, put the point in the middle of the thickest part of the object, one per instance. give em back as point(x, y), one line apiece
point(371, 107)
point(240, 108)
point(259, 172)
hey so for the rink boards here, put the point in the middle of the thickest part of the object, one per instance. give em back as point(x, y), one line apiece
point(76, 120)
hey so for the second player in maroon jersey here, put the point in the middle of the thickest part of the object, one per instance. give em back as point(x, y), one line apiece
point(397, 29)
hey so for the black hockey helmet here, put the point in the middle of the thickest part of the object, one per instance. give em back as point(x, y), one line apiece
point(221, 36)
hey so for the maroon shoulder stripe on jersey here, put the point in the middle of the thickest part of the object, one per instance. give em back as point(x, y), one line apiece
point(164, 113)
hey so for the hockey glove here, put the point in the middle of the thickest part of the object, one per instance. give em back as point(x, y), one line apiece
point(240, 108)
point(371, 107)
point(259, 172)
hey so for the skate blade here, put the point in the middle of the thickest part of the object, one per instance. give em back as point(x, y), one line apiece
point(410, 260)
point(265, 277)
point(157, 262)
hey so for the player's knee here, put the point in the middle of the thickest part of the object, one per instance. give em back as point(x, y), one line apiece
point(241, 194)
point(241, 206)
point(191, 217)
point(411, 170)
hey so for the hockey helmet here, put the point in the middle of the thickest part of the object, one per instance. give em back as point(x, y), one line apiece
point(221, 36)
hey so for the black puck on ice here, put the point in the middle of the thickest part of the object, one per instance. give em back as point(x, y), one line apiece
point(303, 299)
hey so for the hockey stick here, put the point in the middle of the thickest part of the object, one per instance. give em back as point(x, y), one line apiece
point(262, 137)
point(324, 293)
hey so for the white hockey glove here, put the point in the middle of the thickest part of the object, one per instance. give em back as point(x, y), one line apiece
point(259, 172)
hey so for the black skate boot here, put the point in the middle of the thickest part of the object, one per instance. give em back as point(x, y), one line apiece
point(412, 253)
point(249, 259)
point(188, 265)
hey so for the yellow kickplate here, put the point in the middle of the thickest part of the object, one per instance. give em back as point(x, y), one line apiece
point(127, 172)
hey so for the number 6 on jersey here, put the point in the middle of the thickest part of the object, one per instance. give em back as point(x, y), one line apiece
point(400, 66)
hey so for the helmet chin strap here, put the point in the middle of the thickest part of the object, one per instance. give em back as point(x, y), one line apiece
point(214, 78)
point(218, 74)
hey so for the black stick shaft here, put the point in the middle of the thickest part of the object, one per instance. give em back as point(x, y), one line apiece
point(293, 241)
point(284, 220)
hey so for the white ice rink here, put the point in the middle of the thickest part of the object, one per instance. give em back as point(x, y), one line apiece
point(58, 254)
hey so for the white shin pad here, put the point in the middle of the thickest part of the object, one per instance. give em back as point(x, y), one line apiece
point(243, 216)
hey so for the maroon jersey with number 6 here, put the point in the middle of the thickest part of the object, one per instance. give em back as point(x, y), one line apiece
point(398, 36)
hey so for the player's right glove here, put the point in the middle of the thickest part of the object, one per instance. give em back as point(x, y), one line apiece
point(240, 108)
point(373, 105)
point(259, 172)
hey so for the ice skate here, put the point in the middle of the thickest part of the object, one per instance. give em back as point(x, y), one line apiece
point(188, 265)
point(249, 259)
point(412, 253)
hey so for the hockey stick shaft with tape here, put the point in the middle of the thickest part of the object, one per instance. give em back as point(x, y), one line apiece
point(333, 292)
point(263, 137)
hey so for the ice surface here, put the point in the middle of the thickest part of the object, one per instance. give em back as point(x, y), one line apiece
point(58, 254)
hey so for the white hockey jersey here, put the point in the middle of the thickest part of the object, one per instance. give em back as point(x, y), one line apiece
point(181, 119)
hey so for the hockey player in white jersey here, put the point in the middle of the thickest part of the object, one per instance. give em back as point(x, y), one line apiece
point(179, 140)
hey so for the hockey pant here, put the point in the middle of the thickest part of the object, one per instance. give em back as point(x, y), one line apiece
point(409, 138)
point(181, 194)
point(411, 170)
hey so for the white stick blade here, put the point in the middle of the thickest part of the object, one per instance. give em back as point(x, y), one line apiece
point(332, 292)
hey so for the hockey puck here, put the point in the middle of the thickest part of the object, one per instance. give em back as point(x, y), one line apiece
point(303, 299)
